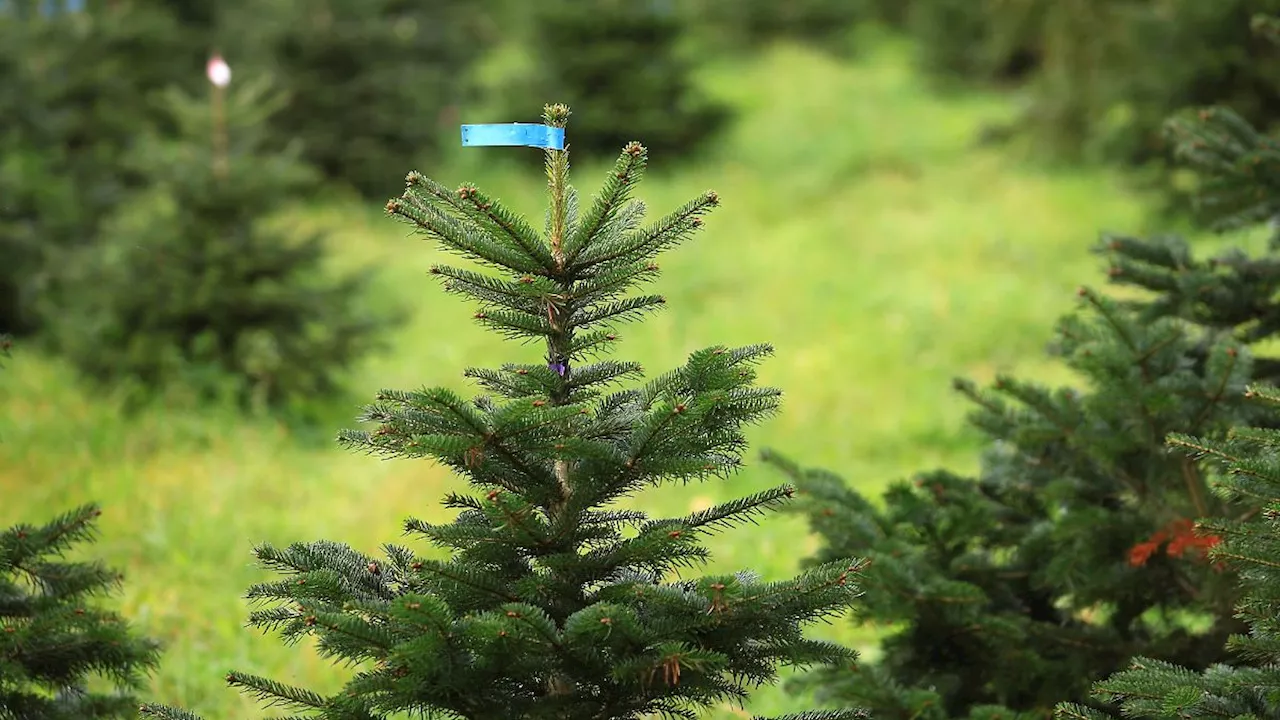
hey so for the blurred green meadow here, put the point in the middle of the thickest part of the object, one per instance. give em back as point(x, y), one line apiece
point(862, 232)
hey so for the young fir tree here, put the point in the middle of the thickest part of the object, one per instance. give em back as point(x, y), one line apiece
point(554, 605)
point(1240, 187)
point(1075, 548)
point(355, 69)
point(1066, 555)
point(1236, 294)
point(1162, 690)
point(74, 96)
point(623, 66)
point(53, 642)
point(62, 658)
point(192, 287)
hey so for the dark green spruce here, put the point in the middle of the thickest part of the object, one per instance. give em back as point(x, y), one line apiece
point(62, 656)
point(1083, 541)
point(1245, 686)
point(190, 288)
point(1240, 188)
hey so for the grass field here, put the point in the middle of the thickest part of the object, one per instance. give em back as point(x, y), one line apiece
point(861, 233)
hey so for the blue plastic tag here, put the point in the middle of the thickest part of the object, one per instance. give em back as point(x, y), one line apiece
point(521, 134)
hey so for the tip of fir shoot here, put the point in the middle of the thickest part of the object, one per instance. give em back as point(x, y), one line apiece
point(556, 115)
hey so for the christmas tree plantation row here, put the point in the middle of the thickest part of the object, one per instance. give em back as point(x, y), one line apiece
point(1064, 578)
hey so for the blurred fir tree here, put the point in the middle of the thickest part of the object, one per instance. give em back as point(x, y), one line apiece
point(1239, 166)
point(1238, 294)
point(1115, 72)
point(53, 644)
point(554, 605)
point(624, 65)
point(191, 286)
point(1074, 549)
point(74, 91)
point(748, 25)
point(982, 40)
point(1069, 552)
point(1104, 74)
point(1162, 690)
point(370, 81)
point(1241, 188)
point(61, 658)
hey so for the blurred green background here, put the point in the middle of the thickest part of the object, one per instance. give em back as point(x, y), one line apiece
point(909, 192)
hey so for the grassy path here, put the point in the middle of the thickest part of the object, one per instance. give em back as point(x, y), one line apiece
point(860, 232)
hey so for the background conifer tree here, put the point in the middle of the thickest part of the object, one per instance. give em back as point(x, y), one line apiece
point(1246, 688)
point(1239, 188)
point(61, 657)
point(1074, 549)
point(623, 65)
point(1011, 591)
point(355, 69)
point(75, 94)
point(750, 25)
point(191, 286)
point(553, 604)
point(1239, 166)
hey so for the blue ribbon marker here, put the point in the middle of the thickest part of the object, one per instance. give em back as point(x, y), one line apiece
point(520, 134)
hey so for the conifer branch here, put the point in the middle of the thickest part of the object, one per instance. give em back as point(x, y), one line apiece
point(638, 247)
point(613, 196)
point(162, 712)
point(821, 715)
point(467, 578)
point(741, 510)
point(1216, 397)
point(521, 296)
point(618, 310)
point(276, 694)
point(489, 214)
point(454, 236)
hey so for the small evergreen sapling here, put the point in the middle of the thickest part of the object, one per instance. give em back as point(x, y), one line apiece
point(1239, 188)
point(53, 642)
point(622, 65)
point(1068, 552)
point(189, 286)
point(62, 658)
point(1080, 536)
point(1239, 166)
point(1162, 690)
point(74, 97)
point(554, 606)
